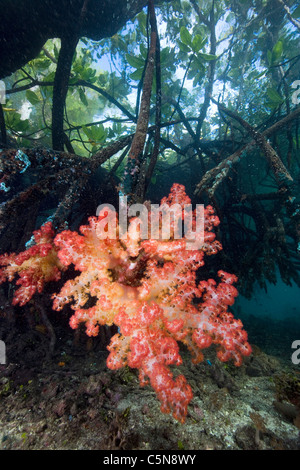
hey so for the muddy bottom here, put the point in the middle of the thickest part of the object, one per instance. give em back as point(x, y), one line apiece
point(71, 400)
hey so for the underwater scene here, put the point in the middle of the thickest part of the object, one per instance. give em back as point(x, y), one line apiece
point(150, 227)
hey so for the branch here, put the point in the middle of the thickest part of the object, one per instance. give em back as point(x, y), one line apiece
point(84, 83)
point(107, 96)
point(289, 15)
point(199, 13)
point(58, 169)
point(50, 56)
point(211, 71)
point(182, 83)
point(60, 89)
point(137, 146)
point(61, 80)
point(216, 175)
point(281, 173)
point(182, 116)
point(155, 151)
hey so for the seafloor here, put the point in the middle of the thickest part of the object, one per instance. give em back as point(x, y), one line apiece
point(70, 400)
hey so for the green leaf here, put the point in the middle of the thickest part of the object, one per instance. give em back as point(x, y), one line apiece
point(32, 97)
point(185, 36)
point(88, 74)
point(42, 63)
point(142, 19)
point(137, 75)
point(277, 51)
point(143, 51)
point(19, 124)
point(95, 134)
point(87, 132)
point(99, 132)
point(296, 13)
point(122, 44)
point(274, 96)
point(83, 97)
point(261, 74)
point(196, 80)
point(183, 47)
point(49, 77)
point(230, 18)
point(23, 125)
point(269, 57)
point(192, 73)
point(198, 43)
point(164, 54)
point(55, 51)
point(136, 62)
point(73, 80)
point(207, 56)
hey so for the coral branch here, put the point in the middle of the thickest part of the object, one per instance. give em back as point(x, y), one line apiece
point(35, 266)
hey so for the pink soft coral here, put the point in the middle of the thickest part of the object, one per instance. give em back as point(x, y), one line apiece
point(148, 289)
point(35, 266)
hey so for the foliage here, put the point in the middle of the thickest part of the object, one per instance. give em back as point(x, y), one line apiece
point(244, 55)
point(116, 65)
